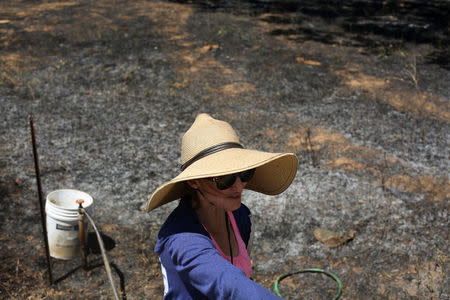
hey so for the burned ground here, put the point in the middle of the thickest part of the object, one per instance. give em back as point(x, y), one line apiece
point(357, 89)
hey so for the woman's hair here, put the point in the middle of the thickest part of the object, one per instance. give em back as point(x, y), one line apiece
point(190, 196)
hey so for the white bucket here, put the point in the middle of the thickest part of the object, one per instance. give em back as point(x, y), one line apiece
point(62, 222)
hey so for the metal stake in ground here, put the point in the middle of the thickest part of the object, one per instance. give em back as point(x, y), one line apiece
point(41, 203)
point(81, 231)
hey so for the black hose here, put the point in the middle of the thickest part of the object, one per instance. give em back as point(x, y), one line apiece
point(105, 258)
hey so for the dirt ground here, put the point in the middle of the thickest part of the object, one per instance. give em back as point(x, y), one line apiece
point(357, 89)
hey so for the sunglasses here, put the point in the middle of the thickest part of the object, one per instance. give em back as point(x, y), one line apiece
point(227, 181)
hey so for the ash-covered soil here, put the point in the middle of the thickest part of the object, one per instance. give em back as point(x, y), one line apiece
point(357, 89)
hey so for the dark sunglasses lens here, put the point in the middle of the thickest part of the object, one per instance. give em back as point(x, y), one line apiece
point(225, 182)
point(246, 176)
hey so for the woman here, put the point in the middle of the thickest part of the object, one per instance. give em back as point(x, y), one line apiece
point(203, 243)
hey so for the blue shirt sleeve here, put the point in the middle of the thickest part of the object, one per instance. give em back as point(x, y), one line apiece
point(200, 265)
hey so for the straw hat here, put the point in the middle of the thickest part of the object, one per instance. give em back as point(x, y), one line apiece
point(211, 148)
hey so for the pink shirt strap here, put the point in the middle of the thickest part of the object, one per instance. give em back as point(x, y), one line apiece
point(242, 260)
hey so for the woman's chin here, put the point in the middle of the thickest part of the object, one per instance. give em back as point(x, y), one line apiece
point(233, 204)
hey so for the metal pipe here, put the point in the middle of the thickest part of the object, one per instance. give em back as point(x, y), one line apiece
point(81, 213)
point(41, 201)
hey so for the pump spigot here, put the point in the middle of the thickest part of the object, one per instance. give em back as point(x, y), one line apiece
point(80, 203)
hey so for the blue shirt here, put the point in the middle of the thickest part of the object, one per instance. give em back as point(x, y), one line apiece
point(192, 266)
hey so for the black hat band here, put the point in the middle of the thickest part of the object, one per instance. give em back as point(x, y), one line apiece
point(209, 151)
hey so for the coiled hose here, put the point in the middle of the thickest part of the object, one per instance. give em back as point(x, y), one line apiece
point(281, 277)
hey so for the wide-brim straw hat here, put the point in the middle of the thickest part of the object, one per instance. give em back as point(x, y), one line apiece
point(211, 148)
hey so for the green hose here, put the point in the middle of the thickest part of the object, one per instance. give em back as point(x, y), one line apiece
point(281, 277)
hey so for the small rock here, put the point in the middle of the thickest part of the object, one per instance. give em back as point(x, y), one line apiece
point(332, 239)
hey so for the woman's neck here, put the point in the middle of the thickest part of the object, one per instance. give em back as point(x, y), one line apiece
point(217, 225)
point(211, 216)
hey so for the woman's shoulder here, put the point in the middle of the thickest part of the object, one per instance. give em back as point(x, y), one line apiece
point(181, 220)
point(244, 209)
point(181, 224)
point(242, 214)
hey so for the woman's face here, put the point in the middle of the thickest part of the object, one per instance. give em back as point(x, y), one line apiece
point(229, 199)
